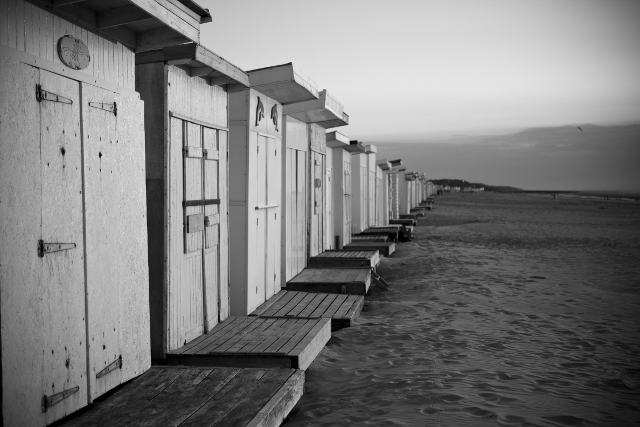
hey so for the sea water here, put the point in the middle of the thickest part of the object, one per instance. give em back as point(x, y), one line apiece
point(512, 310)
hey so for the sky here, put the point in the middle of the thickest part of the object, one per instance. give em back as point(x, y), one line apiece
point(452, 80)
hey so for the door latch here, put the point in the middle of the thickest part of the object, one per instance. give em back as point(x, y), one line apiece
point(46, 248)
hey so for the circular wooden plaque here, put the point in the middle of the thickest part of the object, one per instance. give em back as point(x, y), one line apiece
point(73, 53)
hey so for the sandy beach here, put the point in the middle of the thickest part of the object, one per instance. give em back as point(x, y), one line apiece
point(515, 310)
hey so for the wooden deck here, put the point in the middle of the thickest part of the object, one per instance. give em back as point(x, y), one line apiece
point(257, 342)
point(391, 232)
point(352, 281)
point(371, 238)
point(385, 248)
point(409, 216)
point(418, 211)
point(345, 259)
point(181, 396)
point(404, 222)
point(341, 309)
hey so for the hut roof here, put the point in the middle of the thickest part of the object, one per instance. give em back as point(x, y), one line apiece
point(325, 111)
point(355, 147)
point(284, 83)
point(336, 139)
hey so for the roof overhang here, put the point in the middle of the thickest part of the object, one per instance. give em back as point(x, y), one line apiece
point(336, 139)
point(325, 111)
point(384, 164)
point(395, 163)
point(400, 168)
point(141, 25)
point(371, 149)
point(284, 83)
point(199, 62)
point(355, 147)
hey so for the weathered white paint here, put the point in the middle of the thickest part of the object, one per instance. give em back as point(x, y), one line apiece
point(255, 199)
point(341, 195)
point(371, 185)
point(87, 188)
point(34, 31)
point(317, 145)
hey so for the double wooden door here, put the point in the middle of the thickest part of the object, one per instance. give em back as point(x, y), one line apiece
point(198, 290)
point(73, 275)
point(296, 207)
point(316, 241)
point(267, 220)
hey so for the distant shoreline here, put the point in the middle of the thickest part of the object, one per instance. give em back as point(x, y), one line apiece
point(602, 195)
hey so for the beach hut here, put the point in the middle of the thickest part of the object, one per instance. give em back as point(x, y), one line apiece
point(359, 189)
point(184, 88)
point(394, 188)
point(73, 270)
point(340, 148)
point(255, 139)
point(384, 199)
point(318, 114)
point(372, 185)
point(286, 84)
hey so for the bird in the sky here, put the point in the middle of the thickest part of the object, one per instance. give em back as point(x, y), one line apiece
point(580, 128)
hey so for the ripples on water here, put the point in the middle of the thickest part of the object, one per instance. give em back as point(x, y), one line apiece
point(506, 310)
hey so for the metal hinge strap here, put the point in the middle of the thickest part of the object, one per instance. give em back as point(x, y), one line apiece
point(47, 248)
point(106, 106)
point(116, 364)
point(49, 401)
point(43, 95)
point(204, 202)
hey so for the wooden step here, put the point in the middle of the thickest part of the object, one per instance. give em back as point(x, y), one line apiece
point(408, 216)
point(404, 222)
point(418, 211)
point(345, 259)
point(391, 232)
point(250, 341)
point(352, 281)
point(188, 396)
point(341, 309)
point(385, 248)
point(371, 238)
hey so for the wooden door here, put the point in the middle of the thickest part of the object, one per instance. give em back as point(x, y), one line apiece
point(267, 225)
point(317, 204)
point(371, 198)
point(43, 288)
point(63, 283)
point(328, 211)
point(296, 205)
point(346, 214)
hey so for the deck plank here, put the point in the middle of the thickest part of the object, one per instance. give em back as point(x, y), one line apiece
point(278, 304)
point(335, 305)
point(268, 303)
point(312, 343)
point(215, 339)
point(293, 312)
point(385, 248)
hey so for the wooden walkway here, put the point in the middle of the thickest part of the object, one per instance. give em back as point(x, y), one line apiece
point(198, 397)
point(257, 342)
point(345, 259)
point(391, 232)
point(352, 281)
point(418, 211)
point(371, 238)
point(341, 309)
point(385, 248)
point(409, 216)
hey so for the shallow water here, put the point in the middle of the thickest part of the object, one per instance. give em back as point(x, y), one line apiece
point(512, 310)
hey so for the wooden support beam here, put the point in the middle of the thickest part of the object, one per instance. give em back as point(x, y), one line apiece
point(58, 3)
point(159, 38)
point(221, 80)
point(121, 16)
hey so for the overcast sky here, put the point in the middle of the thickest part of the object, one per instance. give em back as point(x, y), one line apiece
point(443, 72)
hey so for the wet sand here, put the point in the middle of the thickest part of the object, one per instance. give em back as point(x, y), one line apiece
point(514, 310)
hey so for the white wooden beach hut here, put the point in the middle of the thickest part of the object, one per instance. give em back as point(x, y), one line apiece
point(339, 145)
point(73, 260)
point(359, 189)
point(318, 114)
point(384, 200)
point(372, 185)
point(395, 188)
point(184, 88)
point(286, 84)
point(254, 198)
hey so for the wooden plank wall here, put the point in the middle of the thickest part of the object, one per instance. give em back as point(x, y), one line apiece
point(32, 30)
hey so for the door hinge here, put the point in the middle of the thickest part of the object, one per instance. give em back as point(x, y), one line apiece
point(49, 401)
point(46, 248)
point(106, 106)
point(116, 364)
point(43, 95)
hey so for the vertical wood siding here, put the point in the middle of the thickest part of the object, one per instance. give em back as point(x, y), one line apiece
point(32, 30)
point(328, 219)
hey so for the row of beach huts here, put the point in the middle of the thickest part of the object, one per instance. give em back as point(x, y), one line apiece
point(179, 237)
